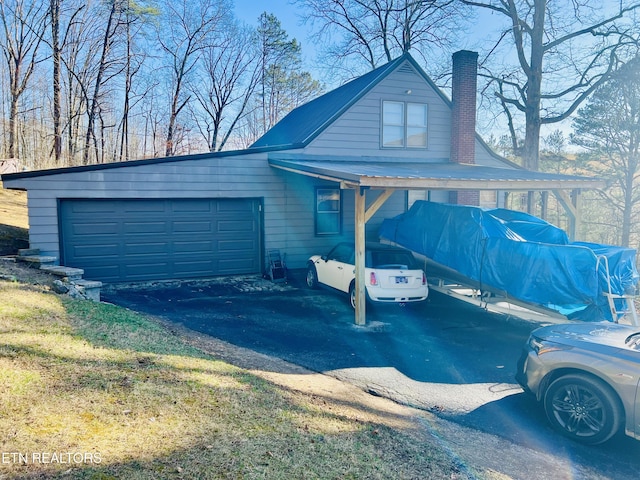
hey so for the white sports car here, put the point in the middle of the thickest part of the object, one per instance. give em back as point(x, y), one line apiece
point(391, 273)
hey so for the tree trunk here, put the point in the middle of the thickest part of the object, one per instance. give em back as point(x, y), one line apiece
point(96, 91)
point(13, 125)
point(169, 150)
point(534, 92)
point(627, 211)
point(532, 139)
point(124, 142)
point(55, 40)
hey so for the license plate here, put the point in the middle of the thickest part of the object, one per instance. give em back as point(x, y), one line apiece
point(402, 280)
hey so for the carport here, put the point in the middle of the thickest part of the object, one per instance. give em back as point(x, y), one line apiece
point(363, 174)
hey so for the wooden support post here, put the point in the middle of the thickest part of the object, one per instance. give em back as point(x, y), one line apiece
point(576, 197)
point(544, 205)
point(571, 206)
point(360, 204)
point(375, 206)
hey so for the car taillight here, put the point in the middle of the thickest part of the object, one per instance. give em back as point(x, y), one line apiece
point(372, 279)
point(424, 279)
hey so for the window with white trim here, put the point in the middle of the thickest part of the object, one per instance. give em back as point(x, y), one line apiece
point(328, 211)
point(404, 125)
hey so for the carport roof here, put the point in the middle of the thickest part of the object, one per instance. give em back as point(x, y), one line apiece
point(375, 172)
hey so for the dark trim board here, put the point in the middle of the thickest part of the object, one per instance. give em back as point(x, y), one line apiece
point(227, 155)
point(130, 240)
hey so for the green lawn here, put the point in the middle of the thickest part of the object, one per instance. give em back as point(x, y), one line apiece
point(94, 391)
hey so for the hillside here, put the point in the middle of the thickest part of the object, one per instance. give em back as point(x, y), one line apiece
point(14, 225)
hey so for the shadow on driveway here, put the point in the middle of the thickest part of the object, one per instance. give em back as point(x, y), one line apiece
point(442, 355)
point(439, 341)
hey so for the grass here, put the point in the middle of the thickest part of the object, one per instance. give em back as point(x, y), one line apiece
point(95, 391)
point(13, 208)
point(13, 221)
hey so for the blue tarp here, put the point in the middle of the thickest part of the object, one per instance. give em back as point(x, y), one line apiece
point(519, 254)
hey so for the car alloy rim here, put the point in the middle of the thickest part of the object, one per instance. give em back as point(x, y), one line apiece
point(579, 411)
point(310, 277)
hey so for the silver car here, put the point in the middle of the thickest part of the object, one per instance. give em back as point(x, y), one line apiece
point(587, 378)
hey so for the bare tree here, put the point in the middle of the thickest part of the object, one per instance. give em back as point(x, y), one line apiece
point(608, 130)
point(101, 97)
point(114, 23)
point(79, 46)
point(23, 25)
point(228, 78)
point(130, 71)
point(186, 30)
point(54, 13)
point(135, 19)
point(375, 32)
point(152, 111)
point(564, 51)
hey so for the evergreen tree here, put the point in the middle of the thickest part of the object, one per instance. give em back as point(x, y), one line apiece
point(608, 128)
point(283, 83)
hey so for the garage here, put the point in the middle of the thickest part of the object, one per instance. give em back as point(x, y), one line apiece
point(130, 240)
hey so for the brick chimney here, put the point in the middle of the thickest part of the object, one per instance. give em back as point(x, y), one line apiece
point(463, 118)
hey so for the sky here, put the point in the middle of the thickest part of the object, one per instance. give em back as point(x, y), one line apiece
point(250, 10)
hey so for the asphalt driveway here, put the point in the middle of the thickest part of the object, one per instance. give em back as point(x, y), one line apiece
point(444, 356)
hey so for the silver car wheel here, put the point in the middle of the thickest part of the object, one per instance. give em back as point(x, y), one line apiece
point(352, 295)
point(312, 277)
point(583, 408)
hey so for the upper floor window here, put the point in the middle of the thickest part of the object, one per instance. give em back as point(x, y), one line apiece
point(404, 125)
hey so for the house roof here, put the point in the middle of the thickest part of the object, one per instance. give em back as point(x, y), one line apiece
point(304, 123)
point(130, 163)
point(298, 128)
point(378, 173)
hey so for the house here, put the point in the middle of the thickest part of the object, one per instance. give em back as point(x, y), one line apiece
point(331, 170)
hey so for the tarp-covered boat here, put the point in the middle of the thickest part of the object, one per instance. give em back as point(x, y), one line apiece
point(521, 255)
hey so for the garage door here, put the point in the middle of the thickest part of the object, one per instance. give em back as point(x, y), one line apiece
point(138, 240)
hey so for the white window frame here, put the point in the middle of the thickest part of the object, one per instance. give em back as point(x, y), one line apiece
point(404, 125)
point(321, 211)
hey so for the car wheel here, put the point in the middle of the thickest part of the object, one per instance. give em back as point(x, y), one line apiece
point(312, 277)
point(352, 295)
point(583, 408)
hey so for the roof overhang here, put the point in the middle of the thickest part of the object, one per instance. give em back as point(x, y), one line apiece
point(370, 172)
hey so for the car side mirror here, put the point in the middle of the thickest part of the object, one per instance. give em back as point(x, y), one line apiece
point(325, 258)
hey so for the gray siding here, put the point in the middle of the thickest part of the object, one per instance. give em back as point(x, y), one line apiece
point(484, 157)
point(295, 222)
point(288, 199)
point(357, 131)
point(220, 177)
